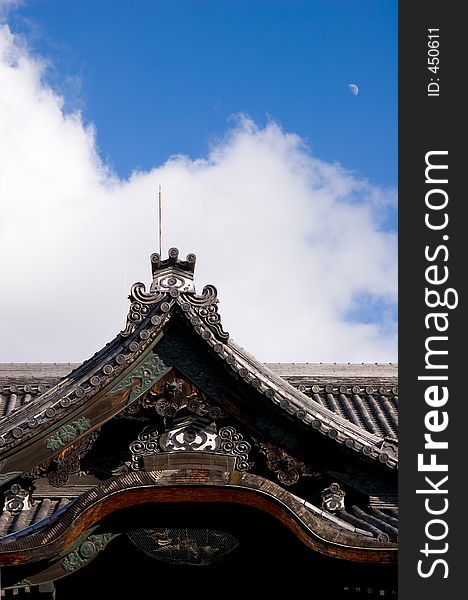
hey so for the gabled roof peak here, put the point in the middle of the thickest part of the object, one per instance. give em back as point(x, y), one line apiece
point(172, 273)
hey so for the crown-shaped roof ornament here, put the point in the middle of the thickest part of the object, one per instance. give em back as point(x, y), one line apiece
point(173, 284)
point(172, 273)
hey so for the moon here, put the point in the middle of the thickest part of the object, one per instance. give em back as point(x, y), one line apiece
point(353, 88)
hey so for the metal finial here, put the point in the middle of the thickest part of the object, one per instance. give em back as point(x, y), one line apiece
point(160, 219)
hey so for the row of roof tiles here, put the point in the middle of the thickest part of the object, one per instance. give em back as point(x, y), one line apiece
point(373, 408)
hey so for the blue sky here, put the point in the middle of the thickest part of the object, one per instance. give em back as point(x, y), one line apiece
point(163, 77)
point(241, 111)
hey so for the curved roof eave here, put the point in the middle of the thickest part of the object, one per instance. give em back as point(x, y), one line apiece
point(324, 533)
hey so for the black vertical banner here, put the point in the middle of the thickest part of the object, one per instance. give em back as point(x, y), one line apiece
point(432, 320)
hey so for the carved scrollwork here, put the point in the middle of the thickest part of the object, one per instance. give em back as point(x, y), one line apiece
point(287, 469)
point(170, 278)
point(136, 313)
point(333, 498)
point(194, 435)
point(166, 408)
point(139, 294)
point(208, 297)
point(141, 302)
point(173, 282)
point(206, 309)
point(147, 443)
point(234, 444)
point(201, 407)
point(59, 477)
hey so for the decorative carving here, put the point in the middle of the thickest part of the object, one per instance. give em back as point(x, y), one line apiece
point(333, 498)
point(147, 443)
point(173, 388)
point(66, 463)
point(287, 469)
point(234, 444)
point(195, 435)
point(17, 499)
point(175, 351)
point(201, 407)
point(69, 463)
point(140, 306)
point(40, 470)
point(146, 373)
point(173, 281)
point(68, 433)
point(172, 273)
point(172, 402)
point(189, 423)
point(184, 546)
point(170, 277)
point(189, 438)
point(203, 309)
point(166, 408)
point(86, 551)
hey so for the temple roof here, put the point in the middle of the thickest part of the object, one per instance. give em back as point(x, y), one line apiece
point(363, 394)
point(329, 421)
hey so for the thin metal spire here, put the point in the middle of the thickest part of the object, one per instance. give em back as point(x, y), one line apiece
point(160, 219)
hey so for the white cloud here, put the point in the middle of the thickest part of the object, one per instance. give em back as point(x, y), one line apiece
point(291, 242)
